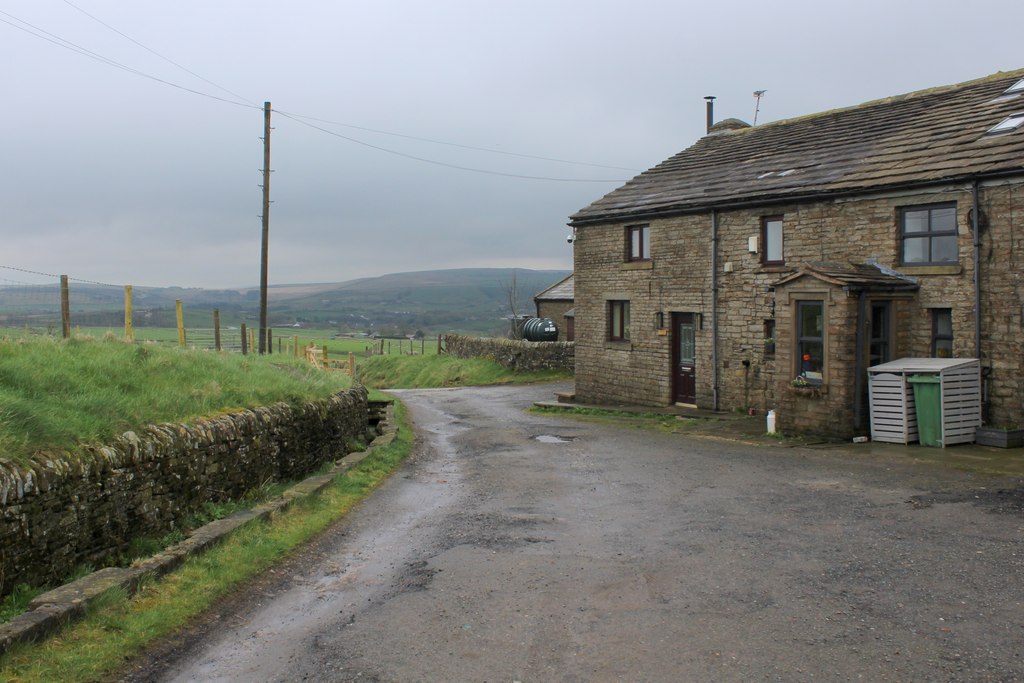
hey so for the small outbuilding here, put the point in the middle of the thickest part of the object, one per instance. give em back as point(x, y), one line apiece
point(557, 303)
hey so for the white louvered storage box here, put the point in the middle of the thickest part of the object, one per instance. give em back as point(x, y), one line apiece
point(893, 413)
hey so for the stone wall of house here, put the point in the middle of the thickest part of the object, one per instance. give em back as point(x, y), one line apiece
point(62, 512)
point(517, 355)
point(555, 310)
point(678, 279)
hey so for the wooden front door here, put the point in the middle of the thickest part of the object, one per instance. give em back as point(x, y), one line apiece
point(684, 359)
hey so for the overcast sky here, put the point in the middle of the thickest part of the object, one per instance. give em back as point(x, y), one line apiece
point(116, 177)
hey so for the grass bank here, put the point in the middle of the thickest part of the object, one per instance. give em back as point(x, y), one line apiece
point(435, 371)
point(57, 394)
point(121, 627)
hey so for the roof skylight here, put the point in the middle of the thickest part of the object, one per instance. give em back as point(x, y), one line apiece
point(1011, 122)
point(1015, 88)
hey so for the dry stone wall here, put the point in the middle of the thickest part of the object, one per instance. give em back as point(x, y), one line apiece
point(514, 354)
point(62, 512)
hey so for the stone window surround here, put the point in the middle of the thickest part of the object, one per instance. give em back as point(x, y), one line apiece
point(936, 336)
point(797, 359)
point(638, 242)
point(618, 333)
point(789, 299)
point(901, 212)
point(765, 222)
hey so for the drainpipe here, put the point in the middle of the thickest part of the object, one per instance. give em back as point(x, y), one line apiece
point(858, 363)
point(976, 229)
point(714, 309)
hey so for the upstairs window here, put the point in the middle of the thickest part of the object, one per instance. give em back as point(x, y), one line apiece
point(929, 235)
point(942, 333)
point(618, 321)
point(771, 238)
point(638, 243)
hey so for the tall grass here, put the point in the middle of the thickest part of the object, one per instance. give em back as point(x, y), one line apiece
point(56, 394)
point(413, 372)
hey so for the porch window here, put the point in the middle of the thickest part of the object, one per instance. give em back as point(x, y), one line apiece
point(638, 243)
point(810, 341)
point(942, 333)
point(618, 321)
point(771, 238)
point(929, 235)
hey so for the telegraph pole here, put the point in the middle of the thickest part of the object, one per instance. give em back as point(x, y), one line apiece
point(262, 347)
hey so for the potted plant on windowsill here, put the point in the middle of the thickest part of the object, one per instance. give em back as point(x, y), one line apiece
point(801, 386)
point(1000, 437)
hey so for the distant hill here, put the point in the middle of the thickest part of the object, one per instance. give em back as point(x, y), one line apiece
point(472, 300)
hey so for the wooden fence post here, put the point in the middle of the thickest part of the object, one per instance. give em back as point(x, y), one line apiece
point(326, 364)
point(129, 330)
point(296, 343)
point(216, 329)
point(181, 322)
point(439, 345)
point(270, 341)
point(351, 364)
point(65, 307)
point(245, 341)
point(252, 339)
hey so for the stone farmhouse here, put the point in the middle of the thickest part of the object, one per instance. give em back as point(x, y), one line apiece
point(768, 267)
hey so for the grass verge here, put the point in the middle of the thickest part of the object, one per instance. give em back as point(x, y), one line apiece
point(436, 371)
point(119, 627)
point(56, 394)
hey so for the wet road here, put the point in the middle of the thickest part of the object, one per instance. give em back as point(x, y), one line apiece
point(517, 547)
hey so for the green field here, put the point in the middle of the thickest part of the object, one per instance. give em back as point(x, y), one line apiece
point(284, 339)
point(57, 394)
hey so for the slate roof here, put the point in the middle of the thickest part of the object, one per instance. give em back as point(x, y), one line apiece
point(560, 291)
point(856, 276)
point(925, 137)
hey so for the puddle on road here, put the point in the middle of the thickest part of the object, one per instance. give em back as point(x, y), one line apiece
point(549, 438)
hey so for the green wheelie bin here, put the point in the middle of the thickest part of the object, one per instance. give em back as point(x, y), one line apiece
point(928, 406)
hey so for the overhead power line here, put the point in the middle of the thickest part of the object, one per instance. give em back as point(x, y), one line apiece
point(152, 51)
point(443, 163)
point(456, 144)
point(42, 34)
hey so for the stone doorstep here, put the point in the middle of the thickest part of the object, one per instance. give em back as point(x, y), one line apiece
point(51, 610)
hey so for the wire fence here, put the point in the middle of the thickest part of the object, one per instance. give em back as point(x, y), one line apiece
point(33, 303)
